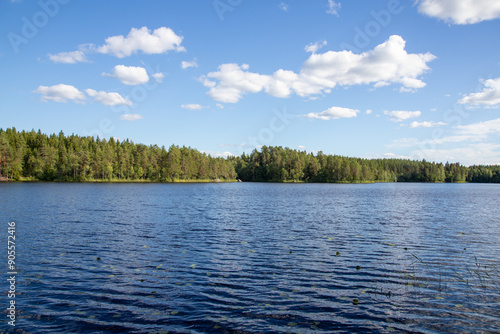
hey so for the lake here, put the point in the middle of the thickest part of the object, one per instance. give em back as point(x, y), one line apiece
point(254, 257)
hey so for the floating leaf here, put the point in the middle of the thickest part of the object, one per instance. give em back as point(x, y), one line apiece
point(292, 324)
point(193, 266)
point(438, 297)
point(174, 312)
point(355, 301)
point(358, 267)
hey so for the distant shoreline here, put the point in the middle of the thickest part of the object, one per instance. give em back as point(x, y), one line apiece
point(26, 180)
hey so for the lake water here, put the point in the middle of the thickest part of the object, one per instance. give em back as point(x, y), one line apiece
point(254, 258)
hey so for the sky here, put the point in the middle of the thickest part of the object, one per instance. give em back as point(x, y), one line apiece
point(413, 79)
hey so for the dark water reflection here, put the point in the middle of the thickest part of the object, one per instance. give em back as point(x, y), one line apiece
point(251, 258)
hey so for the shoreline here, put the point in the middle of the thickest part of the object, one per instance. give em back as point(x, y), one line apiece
point(26, 180)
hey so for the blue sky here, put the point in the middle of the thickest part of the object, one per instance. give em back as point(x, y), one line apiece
point(372, 79)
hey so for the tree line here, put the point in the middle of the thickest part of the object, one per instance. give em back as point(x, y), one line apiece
point(37, 156)
point(286, 165)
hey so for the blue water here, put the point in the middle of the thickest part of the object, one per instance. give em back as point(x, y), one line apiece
point(254, 258)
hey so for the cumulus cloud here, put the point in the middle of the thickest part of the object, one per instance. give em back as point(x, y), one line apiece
point(71, 57)
point(490, 96)
point(129, 75)
point(192, 106)
point(158, 77)
point(60, 93)
point(426, 124)
point(334, 113)
point(333, 7)
point(401, 115)
point(284, 7)
point(461, 11)
point(314, 47)
point(388, 63)
point(159, 41)
point(108, 99)
point(130, 117)
point(188, 64)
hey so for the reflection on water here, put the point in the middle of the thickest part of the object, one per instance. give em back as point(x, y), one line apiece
point(251, 258)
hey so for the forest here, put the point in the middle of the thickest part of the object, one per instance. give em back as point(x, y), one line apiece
point(34, 156)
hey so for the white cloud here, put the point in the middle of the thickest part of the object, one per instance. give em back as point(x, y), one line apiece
point(217, 154)
point(60, 93)
point(284, 7)
point(490, 96)
point(71, 57)
point(234, 81)
point(334, 113)
point(395, 156)
point(130, 117)
point(220, 105)
point(333, 7)
point(161, 40)
point(475, 147)
point(426, 124)
point(388, 63)
point(129, 75)
point(314, 47)
point(108, 99)
point(473, 154)
point(480, 129)
point(461, 11)
point(401, 115)
point(188, 64)
point(301, 147)
point(368, 111)
point(158, 77)
point(192, 106)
